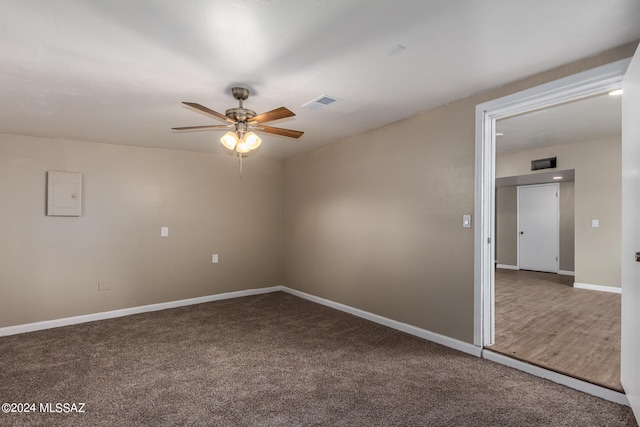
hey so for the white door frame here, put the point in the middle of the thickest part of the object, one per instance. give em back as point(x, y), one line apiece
point(581, 85)
point(556, 186)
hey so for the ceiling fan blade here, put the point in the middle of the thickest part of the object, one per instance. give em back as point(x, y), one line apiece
point(279, 131)
point(209, 111)
point(203, 127)
point(278, 113)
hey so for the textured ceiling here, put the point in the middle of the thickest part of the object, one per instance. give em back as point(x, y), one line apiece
point(116, 71)
point(584, 120)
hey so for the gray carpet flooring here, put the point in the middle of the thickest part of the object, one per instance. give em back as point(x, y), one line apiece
point(272, 359)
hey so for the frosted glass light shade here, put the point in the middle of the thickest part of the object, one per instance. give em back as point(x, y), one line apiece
point(243, 147)
point(252, 140)
point(229, 140)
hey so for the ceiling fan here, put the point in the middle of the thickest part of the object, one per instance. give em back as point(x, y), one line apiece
point(243, 122)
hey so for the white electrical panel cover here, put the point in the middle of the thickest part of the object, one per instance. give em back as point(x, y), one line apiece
point(64, 193)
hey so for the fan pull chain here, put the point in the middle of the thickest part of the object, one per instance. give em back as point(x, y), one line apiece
point(240, 156)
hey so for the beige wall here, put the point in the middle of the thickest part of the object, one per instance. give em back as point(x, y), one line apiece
point(375, 221)
point(567, 226)
point(597, 196)
point(507, 226)
point(50, 266)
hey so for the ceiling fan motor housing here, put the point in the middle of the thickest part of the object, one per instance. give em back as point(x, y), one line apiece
point(240, 114)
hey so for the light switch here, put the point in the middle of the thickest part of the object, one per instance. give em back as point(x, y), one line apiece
point(214, 258)
point(164, 231)
point(595, 223)
point(466, 221)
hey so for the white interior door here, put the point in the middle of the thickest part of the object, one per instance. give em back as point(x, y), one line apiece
point(630, 369)
point(538, 223)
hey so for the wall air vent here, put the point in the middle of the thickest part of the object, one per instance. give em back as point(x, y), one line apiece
point(320, 102)
point(549, 163)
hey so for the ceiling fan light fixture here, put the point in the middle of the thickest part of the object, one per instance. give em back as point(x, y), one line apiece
point(241, 140)
point(243, 147)
point(230, 140)
point(252, 140)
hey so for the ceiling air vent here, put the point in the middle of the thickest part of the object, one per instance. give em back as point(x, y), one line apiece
point(320, 102)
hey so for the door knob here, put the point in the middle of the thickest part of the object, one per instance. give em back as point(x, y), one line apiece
point(522, 232)
point(637, 256)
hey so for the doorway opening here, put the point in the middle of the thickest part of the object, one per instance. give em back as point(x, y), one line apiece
point(579, 86)
point(541, 318)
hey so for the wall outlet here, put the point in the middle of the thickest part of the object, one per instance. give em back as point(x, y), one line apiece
point(164, 231)
point(595, 223)
point(104, 285)
point(214, 258)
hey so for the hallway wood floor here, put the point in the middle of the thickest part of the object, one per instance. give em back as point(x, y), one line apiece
point(541, 319)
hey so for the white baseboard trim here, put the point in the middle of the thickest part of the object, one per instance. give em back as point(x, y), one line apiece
point(413, 330)
point(583, 386)
point(422, 333)
point(462, 346)
point(600, 288)
point(56, 323)
point(566, 272)
point(507, 267)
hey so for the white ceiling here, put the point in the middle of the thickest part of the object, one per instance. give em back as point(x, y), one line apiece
point(583, 120)
point(537, 178)
point(115, 71)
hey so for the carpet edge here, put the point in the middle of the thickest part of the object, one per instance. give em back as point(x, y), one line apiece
point(84, 318)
